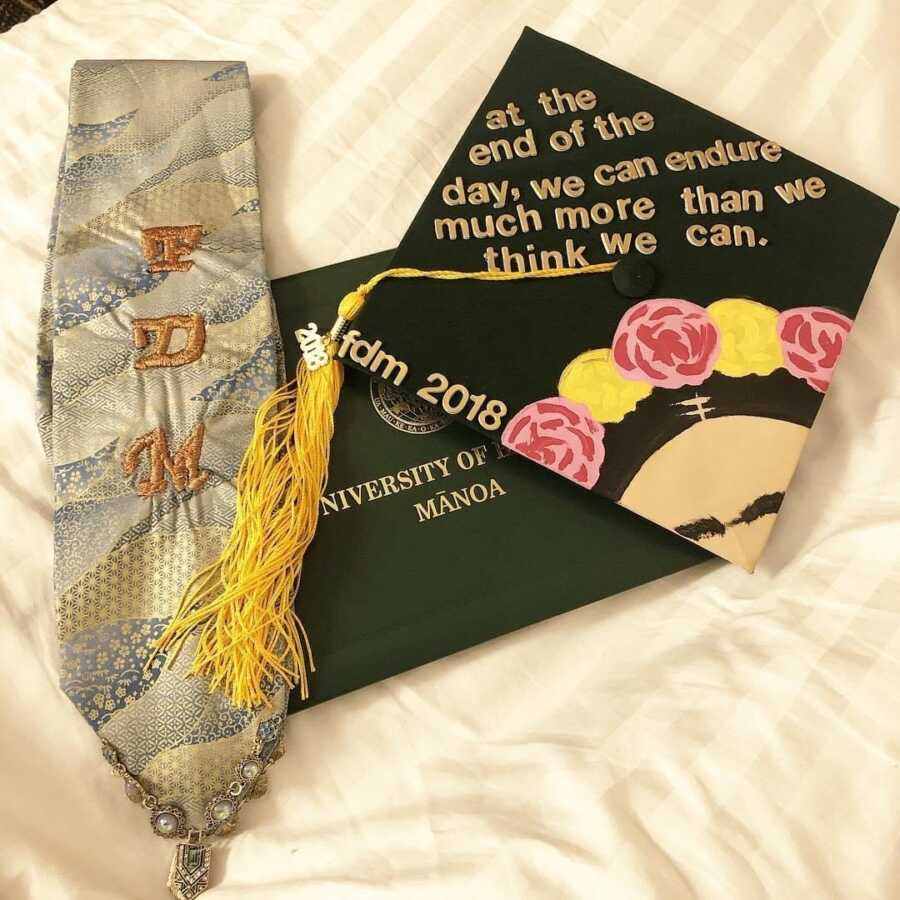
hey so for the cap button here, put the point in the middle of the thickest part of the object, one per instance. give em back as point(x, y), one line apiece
point(634, 277)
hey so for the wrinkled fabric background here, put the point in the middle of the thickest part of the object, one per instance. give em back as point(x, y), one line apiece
point(713, 735)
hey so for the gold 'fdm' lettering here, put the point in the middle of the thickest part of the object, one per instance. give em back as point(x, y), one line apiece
point(182, 467)
point(165, 246)
point(162, 328)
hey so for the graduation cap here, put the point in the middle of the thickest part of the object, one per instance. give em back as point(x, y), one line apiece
point(611, 281)
point(683, 384)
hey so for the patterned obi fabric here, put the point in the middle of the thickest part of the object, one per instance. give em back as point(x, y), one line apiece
point(157, 342)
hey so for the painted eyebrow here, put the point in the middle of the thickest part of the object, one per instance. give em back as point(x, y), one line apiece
point(706, 527)
point(710, 526)
point(766, 505)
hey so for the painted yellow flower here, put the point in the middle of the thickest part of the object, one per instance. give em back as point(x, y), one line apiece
point(748, 337)
point(592, 379)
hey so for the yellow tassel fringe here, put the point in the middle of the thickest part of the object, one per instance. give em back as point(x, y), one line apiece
point(242, 605)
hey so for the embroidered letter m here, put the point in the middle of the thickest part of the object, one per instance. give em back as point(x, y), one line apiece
point(182, 467)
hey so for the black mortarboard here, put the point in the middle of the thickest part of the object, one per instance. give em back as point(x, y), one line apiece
point(683, 385)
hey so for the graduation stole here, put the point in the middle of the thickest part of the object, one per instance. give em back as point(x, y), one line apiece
point(157, 343)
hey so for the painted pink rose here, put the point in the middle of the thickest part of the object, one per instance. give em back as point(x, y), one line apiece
point(666, 343)
point(560, 435)
point(812, 338)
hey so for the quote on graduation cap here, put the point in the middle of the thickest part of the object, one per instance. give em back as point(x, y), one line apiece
point(583, 214)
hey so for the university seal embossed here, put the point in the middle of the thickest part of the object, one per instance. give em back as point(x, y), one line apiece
point(405, 412)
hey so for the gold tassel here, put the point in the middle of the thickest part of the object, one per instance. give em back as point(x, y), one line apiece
point(242, 605)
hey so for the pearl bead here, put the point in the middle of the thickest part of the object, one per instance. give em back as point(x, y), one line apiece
point(250, 769)
point(166, 823)
point(222, 810)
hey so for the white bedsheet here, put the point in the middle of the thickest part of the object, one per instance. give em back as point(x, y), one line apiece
point(714, 735)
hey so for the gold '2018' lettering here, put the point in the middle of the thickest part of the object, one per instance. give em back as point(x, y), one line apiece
point(453, 399)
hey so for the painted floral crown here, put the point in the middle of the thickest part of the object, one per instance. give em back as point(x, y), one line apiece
point(668, 344)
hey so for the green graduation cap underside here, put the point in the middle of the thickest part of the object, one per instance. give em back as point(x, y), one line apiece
point(507, 546)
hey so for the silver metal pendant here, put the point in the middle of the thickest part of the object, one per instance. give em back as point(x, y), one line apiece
point(189, 875)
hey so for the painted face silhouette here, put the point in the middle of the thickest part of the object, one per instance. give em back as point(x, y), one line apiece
point(707, 411)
